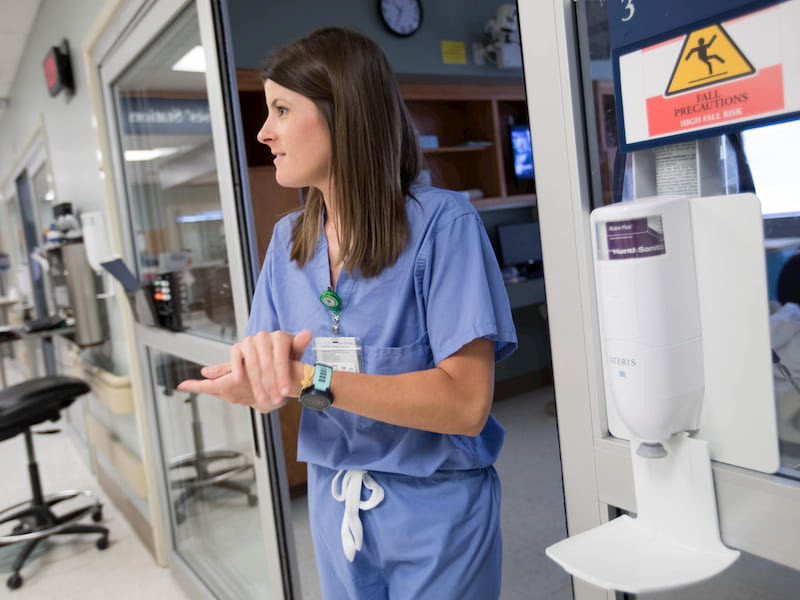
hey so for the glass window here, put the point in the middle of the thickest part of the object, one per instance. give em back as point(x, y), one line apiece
point(45, 195)
point(171, 181)
point(770, 152)
point(210, 482)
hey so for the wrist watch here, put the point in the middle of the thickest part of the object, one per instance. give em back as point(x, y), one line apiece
point(318, 396)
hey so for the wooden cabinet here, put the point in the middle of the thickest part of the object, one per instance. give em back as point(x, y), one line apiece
point(472, 124)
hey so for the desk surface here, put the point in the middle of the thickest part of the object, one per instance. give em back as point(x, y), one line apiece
point(526, 292)
point(12, 333)
point(781, 243)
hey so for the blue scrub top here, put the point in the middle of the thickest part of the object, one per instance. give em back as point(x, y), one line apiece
point(444, 291)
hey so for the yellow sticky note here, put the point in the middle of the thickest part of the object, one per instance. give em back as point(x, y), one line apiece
point(454, 53)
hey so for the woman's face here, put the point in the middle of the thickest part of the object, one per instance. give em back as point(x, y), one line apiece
point(298, 136)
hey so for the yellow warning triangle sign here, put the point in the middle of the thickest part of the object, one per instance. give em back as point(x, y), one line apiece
point(708, 56)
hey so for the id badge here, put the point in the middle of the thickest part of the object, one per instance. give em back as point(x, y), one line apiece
point(341, 353)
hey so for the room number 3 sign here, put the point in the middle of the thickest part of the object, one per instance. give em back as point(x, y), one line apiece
point(629, 9)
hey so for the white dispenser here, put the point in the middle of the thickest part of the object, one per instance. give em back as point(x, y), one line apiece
point(650, 316)
point(682, 302)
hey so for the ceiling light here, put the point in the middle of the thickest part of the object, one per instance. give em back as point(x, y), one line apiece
point(148, 154)
point(208, 215)
point(194, 61)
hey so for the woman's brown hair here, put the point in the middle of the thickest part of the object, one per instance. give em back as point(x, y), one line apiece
point(375, 155)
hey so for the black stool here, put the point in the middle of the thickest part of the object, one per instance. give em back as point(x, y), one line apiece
point(21, 407)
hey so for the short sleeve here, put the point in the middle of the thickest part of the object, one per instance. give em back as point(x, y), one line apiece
point(263, 313)
point(465, 297)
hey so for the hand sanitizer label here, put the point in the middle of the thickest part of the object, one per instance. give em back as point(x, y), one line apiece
point(632, 238)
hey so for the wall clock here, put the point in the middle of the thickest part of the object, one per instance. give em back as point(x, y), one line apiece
point(402, 17)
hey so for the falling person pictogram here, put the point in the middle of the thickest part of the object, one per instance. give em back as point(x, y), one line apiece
point(702, 53)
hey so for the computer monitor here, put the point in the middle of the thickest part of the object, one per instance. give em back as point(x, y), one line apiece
point(520, 245)
point(522, 152)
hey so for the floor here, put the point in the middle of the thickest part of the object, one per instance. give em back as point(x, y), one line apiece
point(533, 517)
point(72, 566)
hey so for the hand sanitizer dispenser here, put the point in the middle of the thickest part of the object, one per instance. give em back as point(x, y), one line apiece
point(650, 317)
point(679, 280)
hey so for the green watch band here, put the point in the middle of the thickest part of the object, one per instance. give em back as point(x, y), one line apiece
point(317, 396)
point(322, 377)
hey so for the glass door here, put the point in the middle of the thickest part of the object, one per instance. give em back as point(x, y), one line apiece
point(579, 168)
point(173, 176)
point(31, 214)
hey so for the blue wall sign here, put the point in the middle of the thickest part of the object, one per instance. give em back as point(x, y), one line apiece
point(642, 22)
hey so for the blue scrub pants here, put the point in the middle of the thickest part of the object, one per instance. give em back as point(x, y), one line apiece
point(431, 538)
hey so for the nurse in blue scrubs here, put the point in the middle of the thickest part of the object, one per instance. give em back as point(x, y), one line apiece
point(381, 308)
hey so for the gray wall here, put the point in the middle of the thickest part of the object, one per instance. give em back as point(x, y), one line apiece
point(257, 26)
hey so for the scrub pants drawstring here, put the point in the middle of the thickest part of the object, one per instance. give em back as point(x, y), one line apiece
point(350, 494)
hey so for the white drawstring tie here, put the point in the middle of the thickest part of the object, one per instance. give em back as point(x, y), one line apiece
point(350, 494)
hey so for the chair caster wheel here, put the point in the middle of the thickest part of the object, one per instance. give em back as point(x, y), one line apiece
point(102, 543)
point(97, 515)
point(252, 501)
point(14, 581)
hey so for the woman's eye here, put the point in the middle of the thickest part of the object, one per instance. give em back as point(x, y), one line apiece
point(280, 110)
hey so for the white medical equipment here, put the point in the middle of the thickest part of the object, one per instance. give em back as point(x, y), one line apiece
point(688, 377)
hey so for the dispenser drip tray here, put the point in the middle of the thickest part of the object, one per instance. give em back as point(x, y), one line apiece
point(624, 556)
point(674, 540)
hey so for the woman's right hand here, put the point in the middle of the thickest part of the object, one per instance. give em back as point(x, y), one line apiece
point(263, 371)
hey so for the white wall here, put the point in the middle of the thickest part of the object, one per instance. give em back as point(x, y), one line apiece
point(70, 139)
point(67, 121)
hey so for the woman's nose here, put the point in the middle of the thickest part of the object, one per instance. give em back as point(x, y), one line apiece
point(264, 135)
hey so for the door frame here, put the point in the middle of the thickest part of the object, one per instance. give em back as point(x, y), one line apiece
point(597, 467)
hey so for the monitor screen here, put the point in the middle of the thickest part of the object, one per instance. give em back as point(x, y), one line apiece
point(519, 243)
point(521, 149)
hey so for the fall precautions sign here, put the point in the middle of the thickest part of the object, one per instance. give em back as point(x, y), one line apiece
point(729, 72)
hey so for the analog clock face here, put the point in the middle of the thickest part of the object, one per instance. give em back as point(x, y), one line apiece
point(402, 17)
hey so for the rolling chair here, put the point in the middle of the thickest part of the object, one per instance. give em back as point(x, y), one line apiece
point(21, 407)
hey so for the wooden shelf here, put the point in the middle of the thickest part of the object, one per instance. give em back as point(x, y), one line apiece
point(462, 148)
point(459, 114)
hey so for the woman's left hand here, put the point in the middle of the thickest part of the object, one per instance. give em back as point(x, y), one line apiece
point(263, 371)
point(221, 383)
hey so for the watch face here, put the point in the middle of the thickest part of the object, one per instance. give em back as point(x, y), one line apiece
point(315, 400)
point(402, 17)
